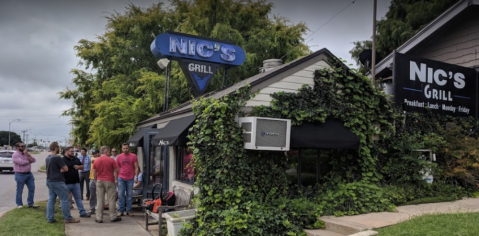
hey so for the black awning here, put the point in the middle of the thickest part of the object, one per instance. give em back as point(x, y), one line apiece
point(330, 135)
point(137, 139)
point(174, 133)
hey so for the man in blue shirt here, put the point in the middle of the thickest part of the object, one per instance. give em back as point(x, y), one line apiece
point(138, 187)
point(85, 173)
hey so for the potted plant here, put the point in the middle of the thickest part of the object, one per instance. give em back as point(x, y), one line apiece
point(176, 219)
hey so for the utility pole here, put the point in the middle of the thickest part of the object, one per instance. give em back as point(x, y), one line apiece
point(373, 59)
point(24, 131)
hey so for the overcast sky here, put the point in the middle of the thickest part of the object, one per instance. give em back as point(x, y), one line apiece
point(37, 40)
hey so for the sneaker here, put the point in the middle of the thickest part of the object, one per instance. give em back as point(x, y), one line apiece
point(33, 206)
point(72, 220)
point(53, 221)
point(19, 207)
point(121, 214)
point(91, 212)
point(87, 215)
point(98, 221)
point(116, 219)
point(129, 214)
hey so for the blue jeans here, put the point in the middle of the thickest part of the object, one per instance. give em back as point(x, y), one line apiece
point(125, 186)
point(76, 192)
point(58, 189)
point(23, 179)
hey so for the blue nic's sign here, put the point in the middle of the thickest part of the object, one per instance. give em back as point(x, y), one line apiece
point(198, 57)
point(176, 45)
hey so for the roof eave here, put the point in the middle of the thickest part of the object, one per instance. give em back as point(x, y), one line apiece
point(174, 111)
point(432, 27)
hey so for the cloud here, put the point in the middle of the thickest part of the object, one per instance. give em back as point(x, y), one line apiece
point(38, 37)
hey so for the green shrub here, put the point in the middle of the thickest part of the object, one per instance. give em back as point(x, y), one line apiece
point(435, 192)
point(354, 198)
point(302, 212)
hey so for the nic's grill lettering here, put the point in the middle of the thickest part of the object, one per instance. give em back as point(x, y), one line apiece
point(192, 67)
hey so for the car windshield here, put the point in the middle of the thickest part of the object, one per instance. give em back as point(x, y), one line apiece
point(6, 154)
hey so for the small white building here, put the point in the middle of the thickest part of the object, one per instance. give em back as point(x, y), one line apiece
point(161, 139)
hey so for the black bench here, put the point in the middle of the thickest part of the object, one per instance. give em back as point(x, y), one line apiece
point(182, 201)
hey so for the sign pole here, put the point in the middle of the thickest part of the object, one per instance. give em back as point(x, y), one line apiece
point(224, 77)
point(373, 59)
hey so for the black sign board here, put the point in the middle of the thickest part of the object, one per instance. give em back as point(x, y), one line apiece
point(198, 73)
point(446, 89)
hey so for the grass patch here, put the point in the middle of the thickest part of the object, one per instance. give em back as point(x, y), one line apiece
point(34, 152)
point(28, 221)
point(430, 200)
point(44, 167)
point(464, 224)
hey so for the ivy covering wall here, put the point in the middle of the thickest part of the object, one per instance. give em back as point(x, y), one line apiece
point(244, 192)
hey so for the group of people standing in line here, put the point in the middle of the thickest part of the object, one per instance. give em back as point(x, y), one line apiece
point(67, 175)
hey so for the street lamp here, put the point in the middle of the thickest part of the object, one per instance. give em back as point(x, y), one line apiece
point(9, 130)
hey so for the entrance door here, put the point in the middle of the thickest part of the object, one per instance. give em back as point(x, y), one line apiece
point(159, 157)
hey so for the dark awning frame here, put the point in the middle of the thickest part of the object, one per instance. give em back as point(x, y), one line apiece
point(329, 135)
point(137, 139)
point(174, 133)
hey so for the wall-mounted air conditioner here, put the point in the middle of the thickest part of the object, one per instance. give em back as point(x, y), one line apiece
point(262, 133)
point(427, 155)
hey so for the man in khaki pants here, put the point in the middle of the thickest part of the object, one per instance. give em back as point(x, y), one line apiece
point(105, 173)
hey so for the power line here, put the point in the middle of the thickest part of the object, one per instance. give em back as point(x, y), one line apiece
point(330, 19)
point(324, 24)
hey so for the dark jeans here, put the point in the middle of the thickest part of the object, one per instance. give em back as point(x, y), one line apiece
point(85, 177)
point(58, 189)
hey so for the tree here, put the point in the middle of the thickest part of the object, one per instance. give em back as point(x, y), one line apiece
point(34, 144)
point(128, 86)
point(403, 20)
point(14, 138)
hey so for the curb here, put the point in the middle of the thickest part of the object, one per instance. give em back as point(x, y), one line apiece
point(365, 233)
point(5, 212)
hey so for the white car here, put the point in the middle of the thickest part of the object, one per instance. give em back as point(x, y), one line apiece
point(6, 162)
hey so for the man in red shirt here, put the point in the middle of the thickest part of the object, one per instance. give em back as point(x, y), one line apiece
point(105, 173)
point(128, 163)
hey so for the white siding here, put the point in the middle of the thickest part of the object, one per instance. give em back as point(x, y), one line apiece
point(289, 84)
point(458, 45)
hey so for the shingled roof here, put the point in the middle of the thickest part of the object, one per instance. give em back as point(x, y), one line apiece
point(252, 81)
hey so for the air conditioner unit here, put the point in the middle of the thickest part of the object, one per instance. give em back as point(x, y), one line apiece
point(262, 133)
point(427, 155)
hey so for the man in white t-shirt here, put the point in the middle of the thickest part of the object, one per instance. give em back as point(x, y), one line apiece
point(113, 153)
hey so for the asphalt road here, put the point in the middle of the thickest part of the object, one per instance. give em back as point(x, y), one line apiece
point(8, 185)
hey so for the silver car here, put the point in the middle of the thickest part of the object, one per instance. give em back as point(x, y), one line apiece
point(6, 162)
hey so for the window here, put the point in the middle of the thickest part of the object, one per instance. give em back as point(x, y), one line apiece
point(184, 165)
point(308, 166)
point(158, 173)
point(6, 154)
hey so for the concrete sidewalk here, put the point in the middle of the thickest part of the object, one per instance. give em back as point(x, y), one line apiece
point(352, 225)
point(129, 225)
point(358, 225)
